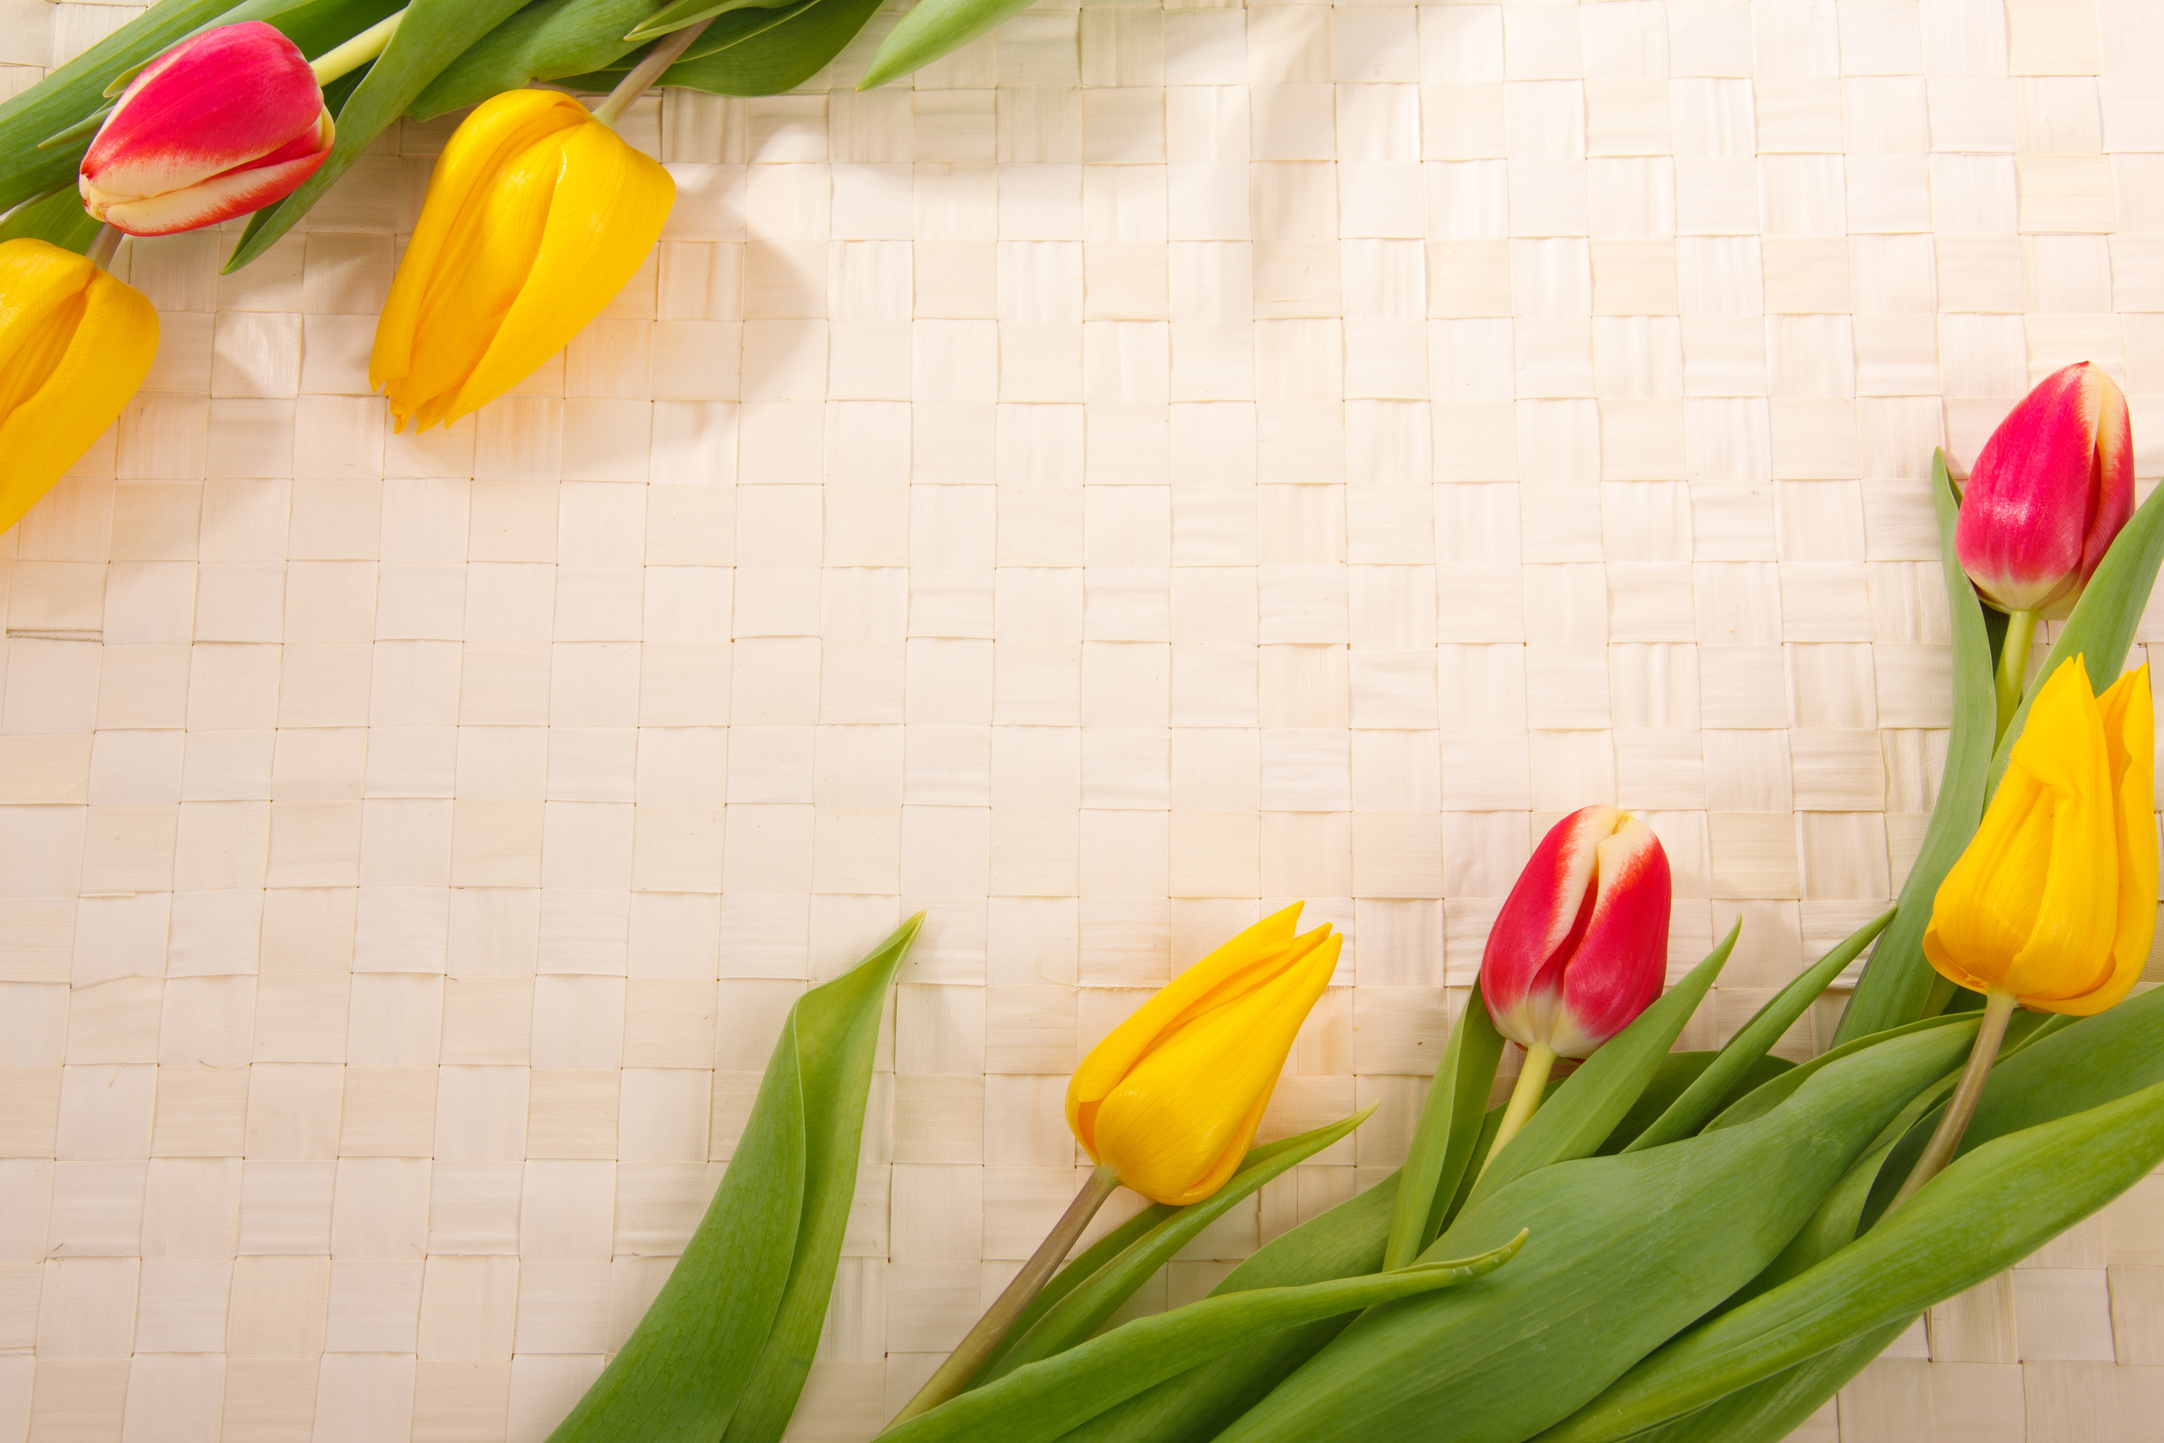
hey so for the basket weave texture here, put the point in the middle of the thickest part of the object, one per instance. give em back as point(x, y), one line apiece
point(1156, 464)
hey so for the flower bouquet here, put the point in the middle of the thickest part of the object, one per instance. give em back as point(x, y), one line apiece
point(1690, 1247)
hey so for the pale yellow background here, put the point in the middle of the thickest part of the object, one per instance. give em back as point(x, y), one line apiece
point(1167, 462)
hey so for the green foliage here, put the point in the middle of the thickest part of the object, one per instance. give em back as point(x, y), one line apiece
point(1449, 1126)
point(1896, 984)
point(724, 1349)
point(932, 29)
point(1624, 1251)
point(1079, 1314)
point(1718, 1083)
point(545, 40)
point(59, 218)
point(1036, 1404)
point(1986, 1212)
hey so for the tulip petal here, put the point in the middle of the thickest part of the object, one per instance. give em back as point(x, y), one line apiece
point(237, 192)
point(2130, 737)
point(1111, 1059)
point(608, 210)
point(63, 402)
point(1548, 903)
point(485, 144)
point(2049, 491)
point(1622, 959)
point(2068, 953)
point(212, 103)
point(1177, 1125)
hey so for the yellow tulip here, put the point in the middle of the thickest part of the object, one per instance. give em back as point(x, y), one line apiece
point(2054, 902)
point(74, 345)
point(536, 216)
point(1171, 1098)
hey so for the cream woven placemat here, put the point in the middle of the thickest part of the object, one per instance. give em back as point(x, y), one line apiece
point(1167, 462)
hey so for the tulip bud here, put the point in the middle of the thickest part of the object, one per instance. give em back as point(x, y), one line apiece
point(74, 345)
point(1171, 1098)
point(536, 216)
point(2049, 492)
point(1581, 945)
point(223, 123)
point(2054, 901)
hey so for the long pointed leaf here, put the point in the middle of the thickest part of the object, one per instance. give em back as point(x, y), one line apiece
point(1774, 1407)
point(1763, 1099)
point(1038, 1403)
point(1449, 1126)
point(727, 1342)
point(1592, 1100)
point(932, 29)
point(1080, 1314)
point(1897, 981)
point(1754, 1040)
point(1983, 1214)
point(58, 218)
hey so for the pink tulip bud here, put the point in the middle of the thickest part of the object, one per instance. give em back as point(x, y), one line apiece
point(1581, 945)
point(2048, 494)
point(223, 123)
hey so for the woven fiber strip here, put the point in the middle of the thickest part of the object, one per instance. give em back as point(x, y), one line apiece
point(1157, 463)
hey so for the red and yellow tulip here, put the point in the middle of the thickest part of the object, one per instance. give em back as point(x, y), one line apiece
point(2048, 493)
point(1581, 945)
point(224, 123)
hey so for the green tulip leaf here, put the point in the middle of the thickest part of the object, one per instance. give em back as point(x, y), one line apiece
point(1592, 1100)
point(1086, 1307)
point(1985, 1213)
point(1449, 1126)
point(1761, 1100)
point(1625, 1251)
point(677, 15)
point(1679, 1070)
point(932, 29)
point(58, 218)
point(724, 1349)
point(1896, 984)
point(1718, 1083)
point(1774, 1407)
point(1037, 1403)
point(541, 42)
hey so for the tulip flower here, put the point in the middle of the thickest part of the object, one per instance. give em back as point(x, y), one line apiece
point(1171, 1098)
point(2048, 494)
point(536, 216)
point(2053, 905)
point(74, 345)
point(224, 123)
point(1169, 1101)
point(1580, 947)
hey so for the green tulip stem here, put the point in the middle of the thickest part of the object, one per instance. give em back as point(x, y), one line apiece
point(970, 1355)
point(2014, 664)
point(1524, 1098)
point(102, 247)
point(1954, 1121)
point(647, 73)
point(350, 56)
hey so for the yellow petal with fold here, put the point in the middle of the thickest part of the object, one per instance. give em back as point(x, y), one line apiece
point(536, 216)
point(2054, 900)
point(75, 344)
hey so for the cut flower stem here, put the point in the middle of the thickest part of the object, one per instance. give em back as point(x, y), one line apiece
point(647, 73)
point(1954, 1121)
point(2013, 672)
point(969, 1356)
point(1524, 1098)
